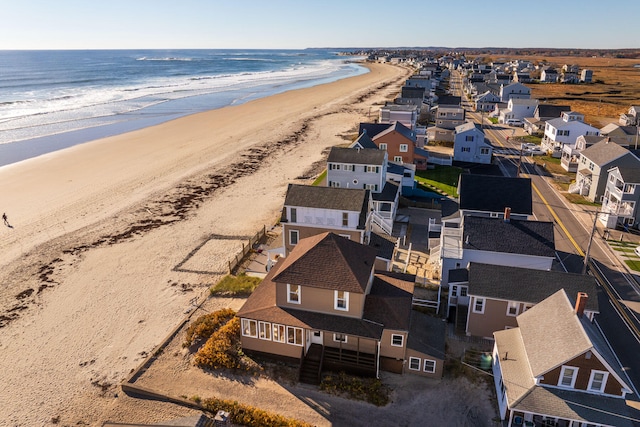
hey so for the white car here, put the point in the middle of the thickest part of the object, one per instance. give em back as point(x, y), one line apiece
point(514, 122)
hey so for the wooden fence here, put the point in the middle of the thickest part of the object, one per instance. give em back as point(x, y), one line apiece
point(246, 249)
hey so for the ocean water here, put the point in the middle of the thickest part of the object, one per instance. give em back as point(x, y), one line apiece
point(51, 100)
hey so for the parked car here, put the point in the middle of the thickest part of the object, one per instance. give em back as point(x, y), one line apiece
point(514, 122)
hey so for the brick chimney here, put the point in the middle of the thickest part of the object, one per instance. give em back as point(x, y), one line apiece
point(507, 214)
point(581, 303)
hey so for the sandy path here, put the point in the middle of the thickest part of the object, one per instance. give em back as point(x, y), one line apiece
point(87, 272)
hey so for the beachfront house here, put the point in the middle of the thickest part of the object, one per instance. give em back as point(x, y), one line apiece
point(399, 142)
point(470, 144)
point(621, 197)
point(405, 114)
point(556, 369)
point(497, 294)
point(325, 306)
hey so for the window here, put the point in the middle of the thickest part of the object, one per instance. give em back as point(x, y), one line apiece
point(468, 138)
point(598, 381)
point(341, 300)
point(429, 366)
point(478, 305)
point(264, 330)
point(397, 340)
point(249, 328)
point(293, 293)
point(414, 363)
point(484, 151)
point(294, 236)
point(404, 148)
point(463, 291)
point(397, 159)
point(294, 335)
point(345, 219)
point(372, 187)
point(568, 376)
point(465, 149)
point(294, 214)
point(454, 291)
point(340, 338)
point(383, 146)
point(512, 308)
point(278, 333)
point(372, 169)
point(629, 188)
point(334, 184)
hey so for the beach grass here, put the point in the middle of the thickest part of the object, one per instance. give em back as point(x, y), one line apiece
point(240, 285)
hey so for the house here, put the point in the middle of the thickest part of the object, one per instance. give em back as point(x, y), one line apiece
point(626, 133)
point(518, 109)
point(486, 101)
point(621, 197)
point(586, 76)
point(448, 117)
point(494, 241)
point(438, 134)
point(357, 168)
point(571, 155)
point(405, 114)
point(549, 75)
point(400, 143)
point(564, 131)
point(514, 90)
point(497, 294)
point(631, 117)
point(469, 145)
point(555, 368)
point(594, 164)
point(543, 112)
point(324, 306)
point(489, 196)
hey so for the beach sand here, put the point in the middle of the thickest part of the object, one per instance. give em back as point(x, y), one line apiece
point(89, 283)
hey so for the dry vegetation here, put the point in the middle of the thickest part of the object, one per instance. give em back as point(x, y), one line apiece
point(616, 87)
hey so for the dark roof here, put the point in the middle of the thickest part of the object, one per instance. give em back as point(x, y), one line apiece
point(421, 152)
point(358, 156)
point(427, 334)
point(312, 196)
point(412, 92)
point(390, 299)
point(328, 261)
point(528, 285)
point(449, 100)
point(517, 237)
point(364, 141)
point(399, 128)
point(383, 244)
point(458, 275)
point(448, 207)
point(490, 193)
point(388, 193)
point(551, 111)
point(372, 129)
point(630, 175)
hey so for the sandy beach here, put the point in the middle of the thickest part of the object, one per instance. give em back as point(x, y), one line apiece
point(88, 277)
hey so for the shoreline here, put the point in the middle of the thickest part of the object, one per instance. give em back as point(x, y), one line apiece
point(88, 269)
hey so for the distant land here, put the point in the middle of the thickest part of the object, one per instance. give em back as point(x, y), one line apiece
point(603, 53)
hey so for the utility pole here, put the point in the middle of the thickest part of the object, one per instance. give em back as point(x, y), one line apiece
point(519, 162)
point(586, 255)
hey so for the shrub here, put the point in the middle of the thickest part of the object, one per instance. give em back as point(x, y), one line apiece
point(368, 389)
point(240, 285)
point(250, 416)
point(206, 325)
point(222, 349)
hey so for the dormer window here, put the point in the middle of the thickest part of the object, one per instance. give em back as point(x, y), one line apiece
point(598, 381)
point(568, 376)
point(341, 300)
point(293, 293)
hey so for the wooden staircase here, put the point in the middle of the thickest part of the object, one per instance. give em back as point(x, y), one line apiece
point(311, 365)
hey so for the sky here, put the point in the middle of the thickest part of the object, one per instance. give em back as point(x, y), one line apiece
point(298, 24)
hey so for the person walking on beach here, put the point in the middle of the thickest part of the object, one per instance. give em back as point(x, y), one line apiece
point(4, 218)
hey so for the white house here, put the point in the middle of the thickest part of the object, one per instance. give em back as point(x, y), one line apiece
point(514, 90)
point(486, 101)
point(518, 109)
point(564, 131)
point(469, 145)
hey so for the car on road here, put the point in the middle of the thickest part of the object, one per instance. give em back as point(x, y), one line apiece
point(514, 122)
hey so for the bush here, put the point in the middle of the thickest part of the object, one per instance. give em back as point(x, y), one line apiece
point(222, 349)
point(206, 325)
point(240, 285)
point(249, 416)
point(368, 389)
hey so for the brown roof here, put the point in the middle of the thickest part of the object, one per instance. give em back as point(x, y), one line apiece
point(328, 261)
point(390, 299)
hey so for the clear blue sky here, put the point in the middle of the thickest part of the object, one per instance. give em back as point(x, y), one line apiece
point(122, 24)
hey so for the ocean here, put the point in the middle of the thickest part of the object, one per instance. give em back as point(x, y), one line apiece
point(50, 100)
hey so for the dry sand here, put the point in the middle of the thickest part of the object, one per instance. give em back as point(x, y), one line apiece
point(88, 277)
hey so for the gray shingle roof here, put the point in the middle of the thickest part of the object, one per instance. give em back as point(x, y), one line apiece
point(364, 141)
point(311, 196)
point(604, 152)
point(527, 285)
point(630, 175)
point(427, 335)
point(495, 193)
point(388, 193)
point(358, 156)
point(383, 243)
point(372, 129)
point(399, 128)
point(515, 237)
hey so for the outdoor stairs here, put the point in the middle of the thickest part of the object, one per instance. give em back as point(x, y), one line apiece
point(312, 365)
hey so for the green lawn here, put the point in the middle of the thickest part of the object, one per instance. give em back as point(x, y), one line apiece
point(320, 178)
point(633, 264)
point(443, 178)
point(626, 248)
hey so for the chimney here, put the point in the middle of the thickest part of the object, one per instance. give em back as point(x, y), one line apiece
point(581, 303)
point(507, 214)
